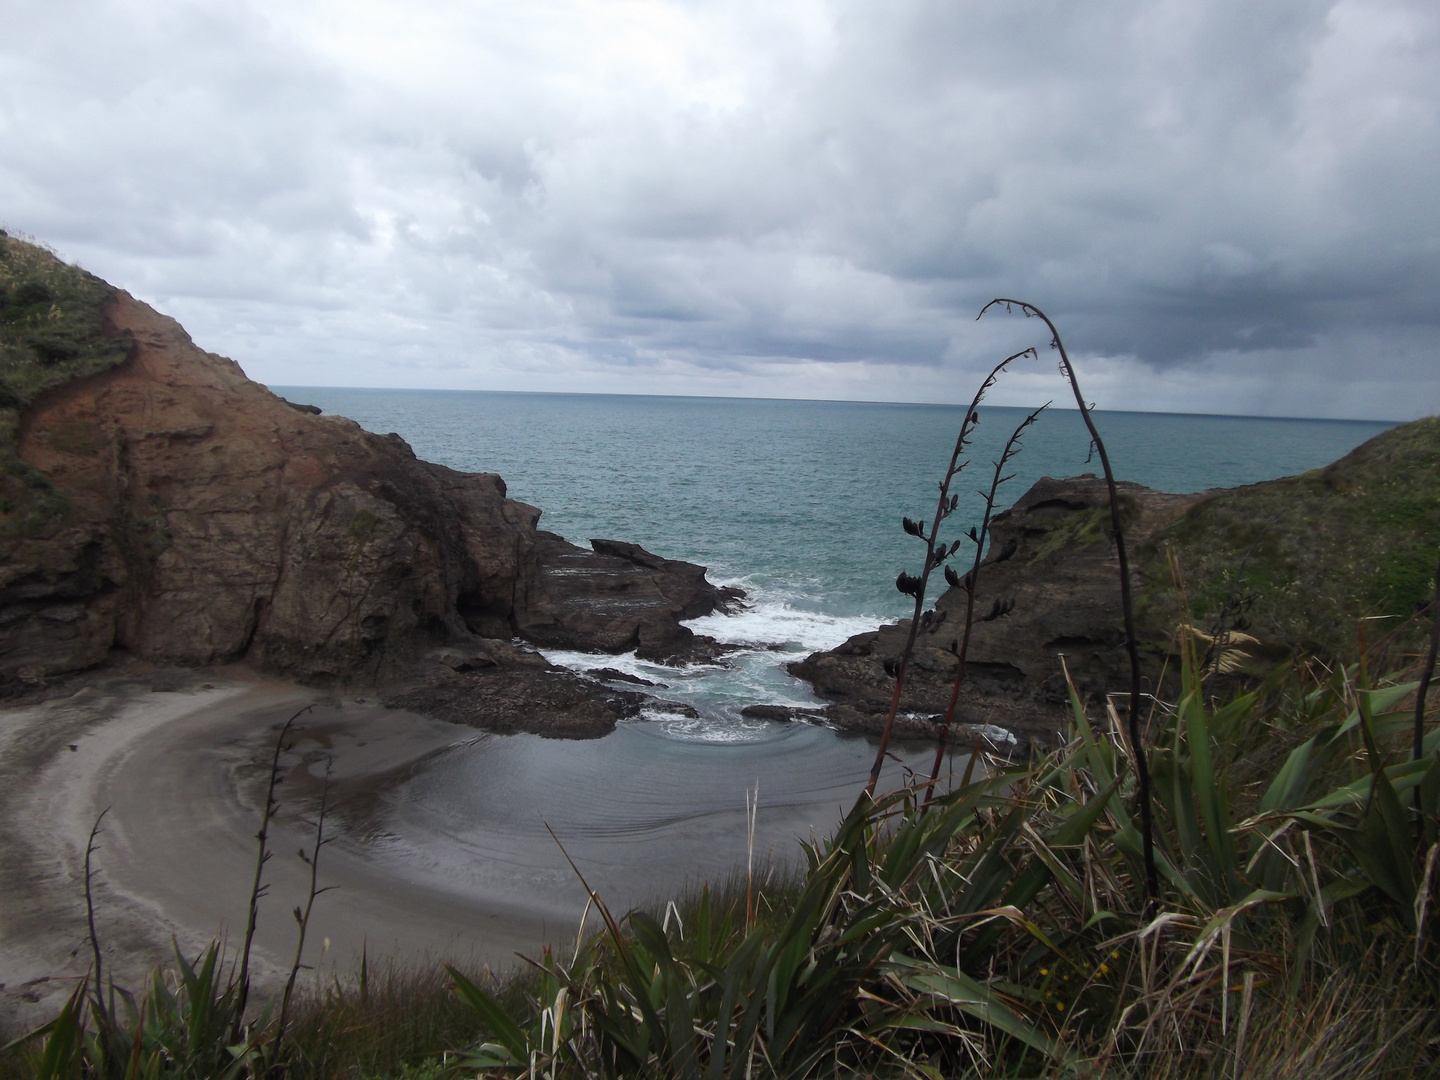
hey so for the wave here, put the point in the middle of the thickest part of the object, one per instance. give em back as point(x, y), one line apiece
point(775, 628)
point(782, 620)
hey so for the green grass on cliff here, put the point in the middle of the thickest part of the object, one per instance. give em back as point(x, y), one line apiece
point(52, 330)
point(1302, 559)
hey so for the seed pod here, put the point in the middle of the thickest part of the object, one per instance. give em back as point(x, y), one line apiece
point(908, 584)
point(951, 578)
point(913, 527)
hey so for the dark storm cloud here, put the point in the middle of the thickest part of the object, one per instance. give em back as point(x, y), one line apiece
point(1228, 206)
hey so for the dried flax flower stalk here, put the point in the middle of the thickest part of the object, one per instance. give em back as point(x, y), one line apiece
point(935, 554)
point(1142, 765)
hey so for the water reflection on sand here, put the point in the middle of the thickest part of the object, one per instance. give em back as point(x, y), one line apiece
point(655, 806)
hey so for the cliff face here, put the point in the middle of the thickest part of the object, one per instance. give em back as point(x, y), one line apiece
point(199, 518)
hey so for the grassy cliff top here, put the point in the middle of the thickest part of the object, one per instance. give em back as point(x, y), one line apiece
point(52, 330)
point(1300, 560)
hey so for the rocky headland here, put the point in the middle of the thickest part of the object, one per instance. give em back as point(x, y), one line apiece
point(1051, 557)
point(1294, 567)
point(160, 505)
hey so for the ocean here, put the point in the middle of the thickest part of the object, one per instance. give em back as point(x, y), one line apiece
point(798, 503)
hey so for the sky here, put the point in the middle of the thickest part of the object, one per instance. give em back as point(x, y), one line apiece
point(1225, 206)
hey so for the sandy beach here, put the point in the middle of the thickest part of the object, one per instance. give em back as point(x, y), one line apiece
point(180, 759)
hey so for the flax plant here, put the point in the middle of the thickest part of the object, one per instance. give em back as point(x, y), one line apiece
point(936, 553)
point(257, 887)
point(1001, 933)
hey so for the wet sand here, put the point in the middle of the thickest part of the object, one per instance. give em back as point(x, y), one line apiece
point(180, 759)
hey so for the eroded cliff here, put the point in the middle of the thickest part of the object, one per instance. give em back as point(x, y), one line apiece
point(190, 516)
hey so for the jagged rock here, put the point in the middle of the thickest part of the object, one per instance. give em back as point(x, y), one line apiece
point(1063, 577)
point(782, 713)
point(617, 597)
point(610, 674)
point(204, 519)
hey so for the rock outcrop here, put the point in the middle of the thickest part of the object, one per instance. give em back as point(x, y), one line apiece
point(201, 519)
point(618, 597)
point(1060, 571)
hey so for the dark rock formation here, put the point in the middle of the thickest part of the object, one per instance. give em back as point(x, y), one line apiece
point(1061, 574)
point(618, 597)
point(546, 701)
point(202, 519)
point(610, 674)
point(783, 713)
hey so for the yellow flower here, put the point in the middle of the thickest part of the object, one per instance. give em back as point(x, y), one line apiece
point(1060, 1005)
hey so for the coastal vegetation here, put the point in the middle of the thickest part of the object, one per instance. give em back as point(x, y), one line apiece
point(52, 330)
point(1233, 876)
point(1004, 930)
point(1295, 562)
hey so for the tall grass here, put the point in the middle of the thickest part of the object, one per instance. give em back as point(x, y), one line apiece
point(1002, 932)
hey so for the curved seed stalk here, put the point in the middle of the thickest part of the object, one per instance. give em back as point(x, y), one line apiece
point(257, 888)
point(99, 1003)
point(969, 583)
point(1152, 878)
point(302, 915)
point(935, 554)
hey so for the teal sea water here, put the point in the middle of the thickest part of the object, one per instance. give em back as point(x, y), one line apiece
point(797, 502)
point(800, 499)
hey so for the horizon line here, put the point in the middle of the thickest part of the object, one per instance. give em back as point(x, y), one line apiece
point(828, 401)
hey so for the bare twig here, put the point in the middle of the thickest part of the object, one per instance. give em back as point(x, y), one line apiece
point(1137, 747)
point(302, 916)
point(257, 890)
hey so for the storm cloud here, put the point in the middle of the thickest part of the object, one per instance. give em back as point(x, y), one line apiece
point(1226, 206)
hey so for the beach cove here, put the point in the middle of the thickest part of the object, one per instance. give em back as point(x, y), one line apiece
point(441, 843)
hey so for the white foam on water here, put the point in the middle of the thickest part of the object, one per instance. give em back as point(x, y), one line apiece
point(628, 663)
point(777, 627)
point(778, 622)
point(997, 735)
point(699, 729)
